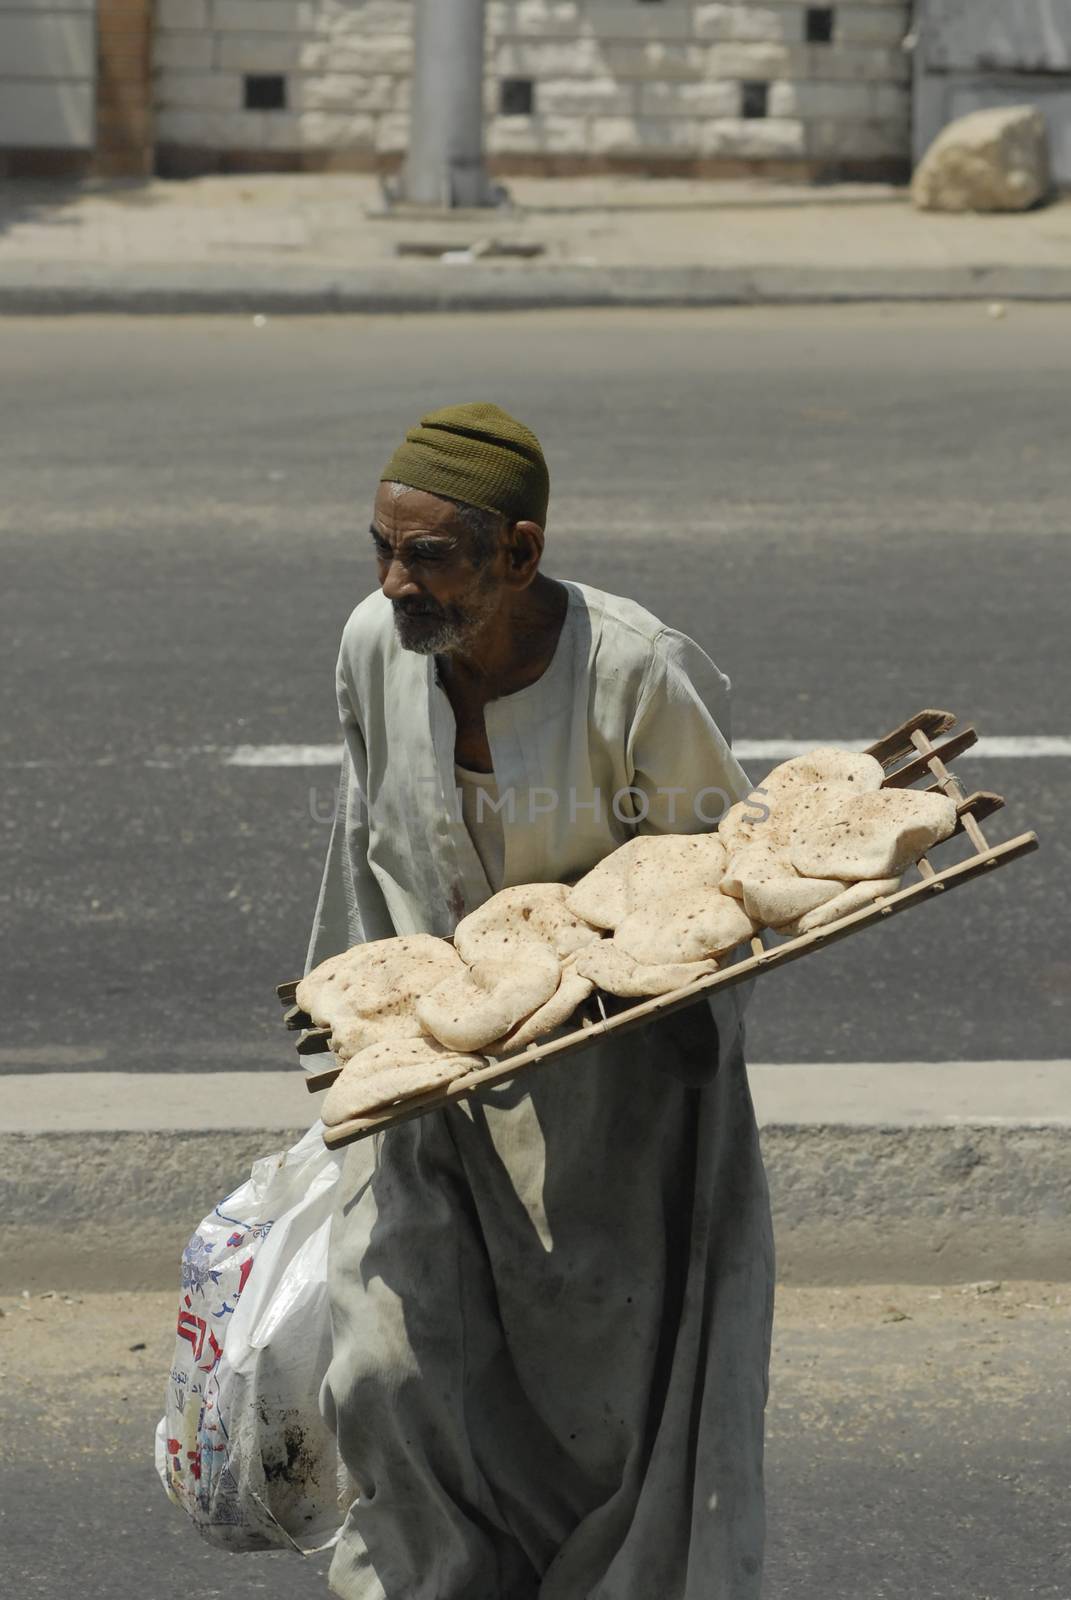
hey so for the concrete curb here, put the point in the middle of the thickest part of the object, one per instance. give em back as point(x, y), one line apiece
point(918, 1172)
point(69, 288)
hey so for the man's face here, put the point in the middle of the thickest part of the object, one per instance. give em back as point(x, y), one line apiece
point(443, 596)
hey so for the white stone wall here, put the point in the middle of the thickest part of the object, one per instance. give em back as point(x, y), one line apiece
point(613, 81)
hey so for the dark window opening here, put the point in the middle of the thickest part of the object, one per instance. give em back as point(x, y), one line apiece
point(819, 28)
point(516, 97)
point(265, 91)
point(756, 99)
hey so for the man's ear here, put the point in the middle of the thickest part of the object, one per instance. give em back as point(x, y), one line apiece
point(525, 551)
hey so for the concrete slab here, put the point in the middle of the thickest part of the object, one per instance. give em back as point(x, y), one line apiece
point(51, 287)
point(900, 1094)
point(161, 1102)
point(914, 1094)
point(924, 1172)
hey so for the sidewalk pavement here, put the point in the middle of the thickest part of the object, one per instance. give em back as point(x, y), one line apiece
point(912, 1172)
point(302, 243)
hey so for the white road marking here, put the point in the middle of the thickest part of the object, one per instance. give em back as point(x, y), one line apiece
point(1026, 747)
point(284, 755)
point(1019, 747)
point(1022, 747)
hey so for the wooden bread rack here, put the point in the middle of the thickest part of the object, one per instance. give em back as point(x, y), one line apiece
point(910, 757)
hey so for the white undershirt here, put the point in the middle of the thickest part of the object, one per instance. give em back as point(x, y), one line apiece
point(482, 820)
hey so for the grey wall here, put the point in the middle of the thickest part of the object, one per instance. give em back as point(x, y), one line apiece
point(47, 74)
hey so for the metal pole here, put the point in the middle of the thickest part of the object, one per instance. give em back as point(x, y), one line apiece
point(445, 166)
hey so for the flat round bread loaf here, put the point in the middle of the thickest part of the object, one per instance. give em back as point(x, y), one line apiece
point(643, 869)
point(770, 887)
point(352, 1034)
point(614, 972)
point(875, 835)
point(528, 913)
point(752, 822)
point(743, 863)
point(369, 993)
point(853, 898)
point(796, 794)
point(394, 1070)
point(310, 986)
point(571, 992)
point(685, 927)
point(486, 1000)
point(825, 764)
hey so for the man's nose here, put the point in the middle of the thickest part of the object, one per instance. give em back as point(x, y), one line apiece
point(398, 582)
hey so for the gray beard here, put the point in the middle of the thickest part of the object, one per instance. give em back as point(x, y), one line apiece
point(446, 635)
point(431, 636)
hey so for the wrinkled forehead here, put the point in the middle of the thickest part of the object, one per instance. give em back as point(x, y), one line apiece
point(400, 511)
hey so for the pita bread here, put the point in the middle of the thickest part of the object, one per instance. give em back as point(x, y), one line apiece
point(854, 898)
point(309, 987)
point(795, 794)
point(571, 992)
point(614, 972)
point(772, 890)
point(875, 835)
point(746, 861)
point(684, 927)
point(485, 1001)
point(351, 1035)
point(529, 913)
point(644, 869)
point(394, 1070)
point(825, 764)
point(369, 993)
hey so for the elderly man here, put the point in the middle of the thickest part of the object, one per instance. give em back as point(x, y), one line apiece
point(552, 1303)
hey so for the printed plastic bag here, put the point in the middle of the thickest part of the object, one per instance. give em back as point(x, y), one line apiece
point(242, 1446)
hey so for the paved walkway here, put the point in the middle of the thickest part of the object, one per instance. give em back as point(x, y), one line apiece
point(317, 243)
point(924, 1171)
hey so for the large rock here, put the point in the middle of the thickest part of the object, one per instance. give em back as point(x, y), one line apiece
point(988, 161)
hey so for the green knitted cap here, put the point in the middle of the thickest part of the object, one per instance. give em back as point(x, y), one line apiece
point(479, 454)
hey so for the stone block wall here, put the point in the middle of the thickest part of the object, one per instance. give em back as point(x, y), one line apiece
point(672, 86)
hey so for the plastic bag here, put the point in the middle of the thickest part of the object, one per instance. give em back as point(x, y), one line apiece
point(242, 1446)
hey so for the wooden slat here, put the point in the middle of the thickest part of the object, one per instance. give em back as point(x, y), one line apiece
point(295, 1019)
point(983, 803)
point(904, 776)
point(952, 788)
point(287, 992)
point(313, 1042)
point(974, 833)
point(315, 1081)
point(740, 972)
point(929, 752)
point(898, 743)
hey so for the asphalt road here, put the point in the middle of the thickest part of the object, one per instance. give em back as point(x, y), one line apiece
point(916, 1445)
point(857, 512)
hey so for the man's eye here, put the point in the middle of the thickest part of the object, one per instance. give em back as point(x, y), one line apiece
point(423, 553)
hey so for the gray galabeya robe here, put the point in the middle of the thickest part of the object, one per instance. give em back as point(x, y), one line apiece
point(552, 1303)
